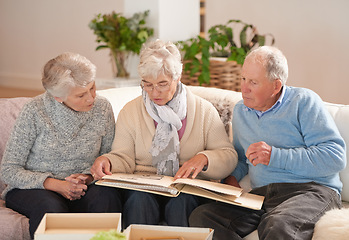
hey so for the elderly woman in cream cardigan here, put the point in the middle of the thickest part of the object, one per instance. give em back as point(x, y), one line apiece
point(166, 131)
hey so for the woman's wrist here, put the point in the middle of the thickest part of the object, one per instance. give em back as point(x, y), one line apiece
point(89, 179)
point(51, 184)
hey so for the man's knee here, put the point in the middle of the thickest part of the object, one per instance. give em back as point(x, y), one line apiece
point(277, 226)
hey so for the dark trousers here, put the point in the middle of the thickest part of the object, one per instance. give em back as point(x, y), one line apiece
point(290, 211)
point(34, 203)
point(146, 208)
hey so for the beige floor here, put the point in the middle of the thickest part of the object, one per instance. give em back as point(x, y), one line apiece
point(6, 92)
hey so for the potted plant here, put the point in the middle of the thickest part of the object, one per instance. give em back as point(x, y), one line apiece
point(221, 42)
point(123, 36)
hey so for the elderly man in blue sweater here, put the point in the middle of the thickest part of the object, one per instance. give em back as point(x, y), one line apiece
point(291, 148)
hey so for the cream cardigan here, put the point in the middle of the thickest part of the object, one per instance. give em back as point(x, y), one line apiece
point(204, 134)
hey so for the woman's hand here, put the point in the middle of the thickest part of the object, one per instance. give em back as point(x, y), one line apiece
point(67, 189)
point(193, 166)
point(231, 180)
point(79, 178)
point(100, 168)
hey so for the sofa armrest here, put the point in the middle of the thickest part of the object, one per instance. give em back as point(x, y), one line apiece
point(9, 110)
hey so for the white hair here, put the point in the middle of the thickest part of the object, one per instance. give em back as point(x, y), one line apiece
point(273, 60)
point(159, 57)
point(66, 71)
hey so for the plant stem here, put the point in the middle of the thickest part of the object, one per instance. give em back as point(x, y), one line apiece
point(119, 59)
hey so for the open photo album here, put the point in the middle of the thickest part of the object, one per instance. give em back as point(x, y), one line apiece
point(165, 185)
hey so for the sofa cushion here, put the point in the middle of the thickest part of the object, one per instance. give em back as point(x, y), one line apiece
point(9, 110)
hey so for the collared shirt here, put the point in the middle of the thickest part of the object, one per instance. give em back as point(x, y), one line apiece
point(276, 105)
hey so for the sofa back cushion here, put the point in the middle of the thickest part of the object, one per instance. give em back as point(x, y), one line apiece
point(223, 100)
point(9, 110)
point(118, 97)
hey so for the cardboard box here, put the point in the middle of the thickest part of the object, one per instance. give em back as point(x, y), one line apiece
point(77, 226)
point(150, 232)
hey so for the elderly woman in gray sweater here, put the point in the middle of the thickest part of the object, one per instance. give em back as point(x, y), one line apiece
point(55, 140)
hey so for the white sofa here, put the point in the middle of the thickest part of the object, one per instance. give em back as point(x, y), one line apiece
point(224, 101)
point(15, 226)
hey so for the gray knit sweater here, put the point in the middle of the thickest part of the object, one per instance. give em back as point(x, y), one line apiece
point(52, 140)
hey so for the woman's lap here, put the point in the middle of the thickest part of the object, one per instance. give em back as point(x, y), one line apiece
point(146, 208)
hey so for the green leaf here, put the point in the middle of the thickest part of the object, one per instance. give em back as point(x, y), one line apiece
point(261, 40)
point(142, 35)
point(203, 78)
point(101, 47)
point(243, 36)
point(194, 70)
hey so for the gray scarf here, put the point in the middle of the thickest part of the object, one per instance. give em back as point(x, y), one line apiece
point(165, 145)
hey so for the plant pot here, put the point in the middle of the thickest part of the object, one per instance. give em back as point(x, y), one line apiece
point(223, 74)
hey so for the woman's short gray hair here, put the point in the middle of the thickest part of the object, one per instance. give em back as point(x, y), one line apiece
point(273, 60)
point(66, 71)
point(159, 57)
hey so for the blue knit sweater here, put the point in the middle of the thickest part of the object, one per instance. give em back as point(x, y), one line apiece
point(306, 144)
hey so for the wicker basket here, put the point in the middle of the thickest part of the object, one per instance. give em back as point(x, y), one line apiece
point(223, 74)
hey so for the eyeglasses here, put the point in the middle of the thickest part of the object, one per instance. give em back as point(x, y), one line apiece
point(160, 87)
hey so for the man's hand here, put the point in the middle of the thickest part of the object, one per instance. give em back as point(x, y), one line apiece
point(231, 180)
point(100, 168)
point(193, 166)
point(259, 152)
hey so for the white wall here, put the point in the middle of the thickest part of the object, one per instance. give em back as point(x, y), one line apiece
point(313, 34)
point(163, 18)
point(170, 20)
point(32, 32)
